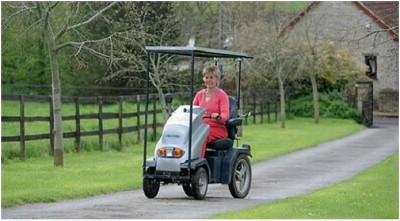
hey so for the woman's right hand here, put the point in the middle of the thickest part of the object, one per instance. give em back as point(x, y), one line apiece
point(215, 116)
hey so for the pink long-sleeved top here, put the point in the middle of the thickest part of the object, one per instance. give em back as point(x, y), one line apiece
point(218, 103)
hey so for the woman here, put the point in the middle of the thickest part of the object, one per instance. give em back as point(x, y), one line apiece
point(216, 103)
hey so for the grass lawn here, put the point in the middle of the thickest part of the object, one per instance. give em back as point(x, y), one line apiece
point(92, 173)
point(373, 194)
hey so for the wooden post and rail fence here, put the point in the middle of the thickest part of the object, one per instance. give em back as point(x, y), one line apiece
point(252, 103)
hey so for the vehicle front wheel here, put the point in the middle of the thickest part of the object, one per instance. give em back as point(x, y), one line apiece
point(241, 177)
point(150, 187)
point(200, 184)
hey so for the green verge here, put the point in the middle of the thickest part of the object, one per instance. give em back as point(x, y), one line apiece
point(269, 140)
point(93, 172)
point(373, 194)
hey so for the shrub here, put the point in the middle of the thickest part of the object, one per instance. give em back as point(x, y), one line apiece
point(331, 105)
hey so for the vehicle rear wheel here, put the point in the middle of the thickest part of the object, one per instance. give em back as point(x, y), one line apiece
point(200, 184)
point(241, 177)
point(187, 188)
point(150, 187)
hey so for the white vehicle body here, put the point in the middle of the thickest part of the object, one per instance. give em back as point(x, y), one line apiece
point(176, 135)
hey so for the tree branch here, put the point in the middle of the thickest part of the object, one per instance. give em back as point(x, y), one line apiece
point(7, 20)
point(75, 43)
point(377, 31)
point(92, 18)
point(64, 27)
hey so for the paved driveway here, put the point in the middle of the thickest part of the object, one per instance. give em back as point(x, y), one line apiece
point(289, 175)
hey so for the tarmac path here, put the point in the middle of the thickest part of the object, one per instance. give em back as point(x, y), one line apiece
point(297, 173)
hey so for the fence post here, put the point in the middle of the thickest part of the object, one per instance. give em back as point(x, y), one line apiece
point(276, 110)
point(269, 110)
point(262, 111)
point(22, 126)
point(288, 106)
point(120, 123)
point(154, 119)
point(51, 126)
point(77, 126)
point(100, 102)
point(138, 117)
point(254, 108)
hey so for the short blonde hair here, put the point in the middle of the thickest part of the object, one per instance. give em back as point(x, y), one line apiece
point(213, 70)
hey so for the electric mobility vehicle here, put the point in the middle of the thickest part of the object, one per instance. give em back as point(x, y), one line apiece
point(177, 155)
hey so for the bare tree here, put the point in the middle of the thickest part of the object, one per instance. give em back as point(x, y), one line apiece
point(149, 24)
point(273, 55)
point(321, 58)
point(308, 43)
point(58, 19)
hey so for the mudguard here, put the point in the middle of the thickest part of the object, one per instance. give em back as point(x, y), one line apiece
point(228, 162)
point(196, 163)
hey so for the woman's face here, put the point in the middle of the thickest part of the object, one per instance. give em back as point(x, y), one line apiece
point(210, 80)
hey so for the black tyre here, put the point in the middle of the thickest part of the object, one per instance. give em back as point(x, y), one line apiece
point(150, 187)
point(200, 184)
point(241, 177)
point(187, 188)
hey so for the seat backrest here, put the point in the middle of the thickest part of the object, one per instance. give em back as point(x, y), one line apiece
point(233, 113)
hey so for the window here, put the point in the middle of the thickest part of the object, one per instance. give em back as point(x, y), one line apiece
point(372, 65)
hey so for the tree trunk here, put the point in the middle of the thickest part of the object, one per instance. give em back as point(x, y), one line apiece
point(164, 108)
point(56, 92)
point(315, 97)
point(156, 82)
point(282, 98)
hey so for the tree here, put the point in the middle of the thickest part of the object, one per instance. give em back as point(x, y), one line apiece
point(273, 54)
point(321, 59)
point(57, 20)
point(142, 24)
point(308, 45)
point(199, 19)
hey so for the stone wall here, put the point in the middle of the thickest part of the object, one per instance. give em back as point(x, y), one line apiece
point(389, 101)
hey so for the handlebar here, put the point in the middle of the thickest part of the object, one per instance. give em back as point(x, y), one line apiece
point(209, 116)
point(243, 116)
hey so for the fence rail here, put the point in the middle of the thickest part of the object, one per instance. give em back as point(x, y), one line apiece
point(259, 106)
point(100, 116)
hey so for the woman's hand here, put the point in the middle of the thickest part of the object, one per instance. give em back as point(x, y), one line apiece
point(215, 116)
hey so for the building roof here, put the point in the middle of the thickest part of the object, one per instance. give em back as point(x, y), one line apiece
point(385, 14)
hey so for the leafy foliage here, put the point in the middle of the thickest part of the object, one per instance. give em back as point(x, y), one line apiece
point(24, 58)
point(332, 105)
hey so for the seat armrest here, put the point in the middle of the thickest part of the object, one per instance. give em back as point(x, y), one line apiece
point(234, 122)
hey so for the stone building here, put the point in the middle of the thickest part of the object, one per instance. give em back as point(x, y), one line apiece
point(369, 32)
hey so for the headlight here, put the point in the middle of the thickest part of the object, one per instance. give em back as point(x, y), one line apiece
point(178, 153)
point(162, 152)
point(170, 152)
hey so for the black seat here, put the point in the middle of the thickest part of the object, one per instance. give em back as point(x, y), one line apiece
point(220, 144)
point(234, 121)
point(231, 125)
